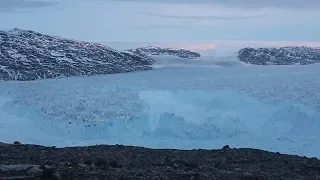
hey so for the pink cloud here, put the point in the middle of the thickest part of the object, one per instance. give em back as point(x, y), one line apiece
point(216, 44)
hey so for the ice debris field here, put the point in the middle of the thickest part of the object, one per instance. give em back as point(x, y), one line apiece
point(275, 108)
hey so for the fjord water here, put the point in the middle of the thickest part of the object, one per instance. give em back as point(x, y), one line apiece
point(274, 108)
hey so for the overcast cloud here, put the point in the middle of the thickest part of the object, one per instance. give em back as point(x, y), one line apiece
point(230, 17)
point(166, 20)
point(7, 5)
point(10, 5)
point(244, 3)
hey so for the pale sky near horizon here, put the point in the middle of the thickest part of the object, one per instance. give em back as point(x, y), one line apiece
point(167, 20)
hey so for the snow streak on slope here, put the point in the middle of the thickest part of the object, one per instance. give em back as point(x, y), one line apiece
point(272, 108)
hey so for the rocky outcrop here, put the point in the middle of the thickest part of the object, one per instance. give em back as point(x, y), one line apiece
point(28, 55)
point(157, 51)
point(280, 56)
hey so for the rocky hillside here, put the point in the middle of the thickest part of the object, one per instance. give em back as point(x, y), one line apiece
point(280, 56)
point(28, 55)
point(131, 163)
point(156, 51)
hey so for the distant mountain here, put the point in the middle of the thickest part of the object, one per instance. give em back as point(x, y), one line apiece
point(156, 51)
point(28, 55)
point(280, 56)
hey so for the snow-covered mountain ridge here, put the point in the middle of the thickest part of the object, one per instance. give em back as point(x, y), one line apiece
point(280, 56)
point(29, 55)
point(155, 51)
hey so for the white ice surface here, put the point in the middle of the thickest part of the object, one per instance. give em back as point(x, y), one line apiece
point(203, 61)
point(274, 108)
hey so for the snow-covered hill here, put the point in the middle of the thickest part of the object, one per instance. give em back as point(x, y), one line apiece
point(280, 56)
point(156, 51)
point(28, 55)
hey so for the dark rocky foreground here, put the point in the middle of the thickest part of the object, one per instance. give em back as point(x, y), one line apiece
point(280, 56)
point(125, 162)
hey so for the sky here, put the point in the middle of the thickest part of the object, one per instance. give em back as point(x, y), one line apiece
point(168, 20)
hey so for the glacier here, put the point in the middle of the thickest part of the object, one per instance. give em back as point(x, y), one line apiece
point(275, 108)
